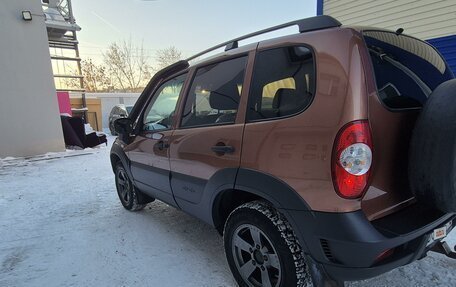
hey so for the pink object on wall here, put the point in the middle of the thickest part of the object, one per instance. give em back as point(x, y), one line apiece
point(64, 102)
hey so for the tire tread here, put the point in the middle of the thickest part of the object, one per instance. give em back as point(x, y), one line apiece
point(286, 233)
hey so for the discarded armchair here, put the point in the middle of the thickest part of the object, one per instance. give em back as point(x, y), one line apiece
point(74, 133)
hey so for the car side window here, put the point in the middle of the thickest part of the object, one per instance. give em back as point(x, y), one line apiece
point(215, 94)
point(283, 83)
point(160, 112)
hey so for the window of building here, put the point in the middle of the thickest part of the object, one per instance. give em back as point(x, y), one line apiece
point(215, 94)
point(283, 83)
point(160, 111)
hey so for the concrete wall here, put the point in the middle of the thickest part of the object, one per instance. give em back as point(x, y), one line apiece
point(108, 101)
point(29, 114)
point(425, 19)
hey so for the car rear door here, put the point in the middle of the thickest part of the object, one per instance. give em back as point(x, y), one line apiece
point(148, 152)
point(208, 138)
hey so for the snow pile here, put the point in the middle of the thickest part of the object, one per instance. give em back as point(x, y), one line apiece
point(61, 224)
point(21, 161)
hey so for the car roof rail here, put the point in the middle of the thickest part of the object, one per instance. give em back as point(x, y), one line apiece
point(304, 25)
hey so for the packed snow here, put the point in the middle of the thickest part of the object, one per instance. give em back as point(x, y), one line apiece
point(61, 224)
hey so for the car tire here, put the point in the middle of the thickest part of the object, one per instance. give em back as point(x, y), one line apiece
point(432, 158)
point(262, 249)
point(127, 192)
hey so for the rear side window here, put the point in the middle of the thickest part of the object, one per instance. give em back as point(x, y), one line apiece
point(406, 69)
point(283, 83)
point(215, 94)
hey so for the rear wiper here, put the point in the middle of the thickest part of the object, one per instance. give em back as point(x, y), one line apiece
point(384, 57)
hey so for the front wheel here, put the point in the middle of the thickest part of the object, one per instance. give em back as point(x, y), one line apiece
point(261, 248)
point(128, 194)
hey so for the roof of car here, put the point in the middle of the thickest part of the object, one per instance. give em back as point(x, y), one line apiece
point(304, 25)
point(224, 54)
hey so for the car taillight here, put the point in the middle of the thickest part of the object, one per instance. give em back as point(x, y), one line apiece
point(352, 159)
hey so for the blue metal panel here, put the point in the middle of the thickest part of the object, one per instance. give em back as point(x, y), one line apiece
point(319, 7)
point(447, 47)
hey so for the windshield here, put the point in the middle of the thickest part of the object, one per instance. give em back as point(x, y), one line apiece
point(406, 69)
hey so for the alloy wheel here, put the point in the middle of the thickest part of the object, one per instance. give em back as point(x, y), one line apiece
point(124, 186)
point(255, 257)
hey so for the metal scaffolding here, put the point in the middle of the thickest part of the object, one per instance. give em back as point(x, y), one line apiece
point(64, 47)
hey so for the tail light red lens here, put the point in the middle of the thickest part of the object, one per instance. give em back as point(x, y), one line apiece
point(352, 159)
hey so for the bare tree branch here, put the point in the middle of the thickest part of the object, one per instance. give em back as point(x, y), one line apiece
point(128, 65)
point(95, 76)
point(168, 56)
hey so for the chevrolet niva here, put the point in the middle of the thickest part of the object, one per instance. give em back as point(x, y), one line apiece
point(321, 157)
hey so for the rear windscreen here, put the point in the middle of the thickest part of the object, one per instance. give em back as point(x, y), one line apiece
point(406, 69)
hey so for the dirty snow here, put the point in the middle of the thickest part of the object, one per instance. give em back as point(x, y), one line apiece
point(61, 224)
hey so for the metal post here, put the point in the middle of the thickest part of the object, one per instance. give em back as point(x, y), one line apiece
point(81, 80)
point(70, 13)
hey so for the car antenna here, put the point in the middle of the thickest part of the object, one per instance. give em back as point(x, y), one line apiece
point(399, 31)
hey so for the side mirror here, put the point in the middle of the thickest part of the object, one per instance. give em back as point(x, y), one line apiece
point(123, 126)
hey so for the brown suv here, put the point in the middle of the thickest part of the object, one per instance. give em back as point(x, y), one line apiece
point(311, 153)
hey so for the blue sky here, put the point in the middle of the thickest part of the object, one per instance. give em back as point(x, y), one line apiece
point(189, 25)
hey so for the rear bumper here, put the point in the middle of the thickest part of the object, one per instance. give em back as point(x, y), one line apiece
point(347, 245)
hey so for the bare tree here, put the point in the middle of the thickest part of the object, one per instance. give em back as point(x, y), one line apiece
point(68, 83)
point(95, 79)
point(167, 56)
point(95, 76)
point(127, 65)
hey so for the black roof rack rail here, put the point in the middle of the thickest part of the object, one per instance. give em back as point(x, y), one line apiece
point(304, 25)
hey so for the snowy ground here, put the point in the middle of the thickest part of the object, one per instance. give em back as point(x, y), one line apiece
point(61, 225)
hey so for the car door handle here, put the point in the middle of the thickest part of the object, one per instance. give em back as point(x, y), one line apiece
point(222, 149)
point(161, 145)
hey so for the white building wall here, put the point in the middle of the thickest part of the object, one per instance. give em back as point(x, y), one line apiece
point(425, 19)
point(108, 101)
point(29, 113)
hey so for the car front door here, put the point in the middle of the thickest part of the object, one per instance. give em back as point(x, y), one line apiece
point(148, 152)
point(208, 138)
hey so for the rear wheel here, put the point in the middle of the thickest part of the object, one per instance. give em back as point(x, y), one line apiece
point(261, 248)
point(128, 194)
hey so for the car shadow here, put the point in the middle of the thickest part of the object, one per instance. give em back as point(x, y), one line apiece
point(187, 236)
